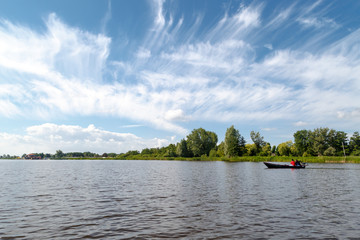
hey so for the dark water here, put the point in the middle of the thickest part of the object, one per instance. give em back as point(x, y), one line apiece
point(189, 200)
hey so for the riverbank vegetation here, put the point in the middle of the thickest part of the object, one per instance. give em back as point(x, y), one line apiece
point(318, 145)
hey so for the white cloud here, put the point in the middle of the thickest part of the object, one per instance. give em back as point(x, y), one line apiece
point(268, 46)
point(248, 16)
point(269, 129)
point(143, 53)
point(318, 22)
point(301, 124)
point(175, 115)
point(70, 138)
point(351, 114)
point(281, 17)
point(64, 76)
point(159, 17)
point(179, 74)
point(106, 18)
point(223, 56)
point(236, 26)
point(61, 50)
point(132, 126)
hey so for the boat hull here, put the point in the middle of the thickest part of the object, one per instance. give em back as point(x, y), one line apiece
point(274, 165)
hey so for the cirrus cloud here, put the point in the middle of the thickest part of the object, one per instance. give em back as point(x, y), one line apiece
point(181, 73)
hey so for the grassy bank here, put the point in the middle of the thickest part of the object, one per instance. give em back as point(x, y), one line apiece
point(322, 159)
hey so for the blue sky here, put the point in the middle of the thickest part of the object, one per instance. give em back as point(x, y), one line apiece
point(113, 76)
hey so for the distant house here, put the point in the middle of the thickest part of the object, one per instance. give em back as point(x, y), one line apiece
point(32, 156)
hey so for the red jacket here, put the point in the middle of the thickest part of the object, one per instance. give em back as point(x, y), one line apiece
point(292, 162)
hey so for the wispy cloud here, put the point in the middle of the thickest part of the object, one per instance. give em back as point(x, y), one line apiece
point(179, 75)
point(106, 19)
point(159, 14)
point(131, 126)
point(318, 22)
point(301, 124)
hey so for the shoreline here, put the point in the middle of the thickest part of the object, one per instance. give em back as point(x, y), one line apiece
point(321, 159)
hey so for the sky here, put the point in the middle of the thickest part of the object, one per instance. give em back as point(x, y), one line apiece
point(113, 76)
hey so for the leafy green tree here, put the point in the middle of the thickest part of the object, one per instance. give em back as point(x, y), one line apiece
point(170, 151)
point(266, 150)
point(59, 154)
point(354, 144)
point(200, 141)
point(145, 151)
point(257, 139)
point(182, 149)
point(302, 141)
point(284, 148)
point(234, 144)
point(112, 155)
point(213, 153)
point(336, 140)
point(220, 150)
point(251, 149)
point(89, 154)
point(273, 150)
point(330, 151)
point(320, 140)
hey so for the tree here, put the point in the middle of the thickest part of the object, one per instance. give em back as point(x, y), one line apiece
point(112, 155)
point(213, 153)
point(336, 140)
point(220, 150)
point(266, 150)
point(284, 148)
point(354, 144)
point(145, 151)
point(320, 140)
point(251, 149)
point(182, 149)
point(302, 141)
point(234, 144)
point(200, 141)
point(330, 151)
point(59, 154)
point(170, 151)
point(273, 150)
point(258, 141)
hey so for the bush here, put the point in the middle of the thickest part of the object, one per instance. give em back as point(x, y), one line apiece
point(306, 154)
point(356, 153)
point(330, 151)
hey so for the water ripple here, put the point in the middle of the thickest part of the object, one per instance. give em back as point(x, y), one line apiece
point(187, 200)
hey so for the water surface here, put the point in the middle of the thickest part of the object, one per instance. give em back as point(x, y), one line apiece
point(171, 199)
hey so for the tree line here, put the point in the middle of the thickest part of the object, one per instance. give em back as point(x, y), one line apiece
point(317, 142)
point(201, 143)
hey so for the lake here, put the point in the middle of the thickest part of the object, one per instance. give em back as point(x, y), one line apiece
point(104, 199)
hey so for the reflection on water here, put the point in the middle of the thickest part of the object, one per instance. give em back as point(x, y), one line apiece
point(164, 199)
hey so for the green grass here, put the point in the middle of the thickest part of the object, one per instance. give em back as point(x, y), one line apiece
point(322, 159)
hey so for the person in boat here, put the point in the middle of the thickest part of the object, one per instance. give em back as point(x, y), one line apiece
point(292, 162)
point(297, 163)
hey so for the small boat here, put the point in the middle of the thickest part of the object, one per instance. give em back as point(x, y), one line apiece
point(274, 165)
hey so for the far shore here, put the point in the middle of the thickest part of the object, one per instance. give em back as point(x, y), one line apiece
point(319, 159)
